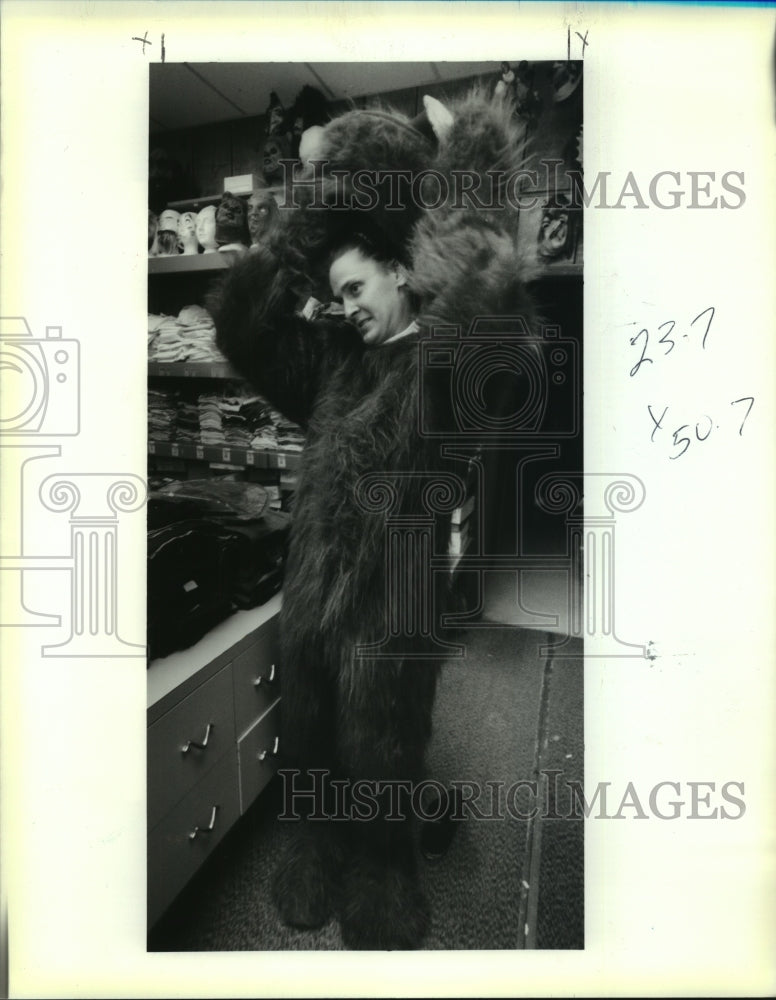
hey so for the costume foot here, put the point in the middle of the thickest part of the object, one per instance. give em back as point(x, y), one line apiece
point(384, 908)
point(303, 885)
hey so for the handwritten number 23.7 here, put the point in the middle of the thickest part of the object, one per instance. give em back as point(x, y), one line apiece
point(666, 338)
point(703, 427)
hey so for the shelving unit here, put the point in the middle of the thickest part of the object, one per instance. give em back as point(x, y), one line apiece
point(191, 369)
point(194, 204)
point(188, 263)
point(213, 710)
point(193, 271)
point(229, 456)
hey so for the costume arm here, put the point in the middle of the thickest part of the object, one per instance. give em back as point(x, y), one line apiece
point(282, 354)
point(483, 137)
point(464, 255)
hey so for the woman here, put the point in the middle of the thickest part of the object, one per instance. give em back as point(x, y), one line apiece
point(360, 637)
point(374, 293)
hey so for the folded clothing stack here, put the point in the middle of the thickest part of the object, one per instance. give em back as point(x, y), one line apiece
point(211, 430)
point(187, 422)
point(275, 433)
point(246, 422)
point(162, 413)
point(213, 546)
point(240, 418)
point(191, 336)
point(289, 436)
point(233, 421)
point(191, 564)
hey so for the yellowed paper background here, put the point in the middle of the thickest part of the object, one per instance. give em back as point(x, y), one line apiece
point(684, 907)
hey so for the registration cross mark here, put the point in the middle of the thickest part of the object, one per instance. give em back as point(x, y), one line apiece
point(145, 40)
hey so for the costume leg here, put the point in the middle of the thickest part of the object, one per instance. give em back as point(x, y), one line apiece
point(306, 885)
point(308, 874)
point(384, 721)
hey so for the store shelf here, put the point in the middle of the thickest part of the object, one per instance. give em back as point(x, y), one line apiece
point(194, 204)
point(226, 455)
point(187, 263)
point(191, 369)
point(559, 269)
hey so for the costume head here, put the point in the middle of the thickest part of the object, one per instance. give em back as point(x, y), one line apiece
point(262, 215)
point(231, 222)
point(375, 141)
point(187, 233)
point(309, 110)
point(274, 148)
point(168, 232)
point(206, 228)
point(153, 227)
point(380, 173)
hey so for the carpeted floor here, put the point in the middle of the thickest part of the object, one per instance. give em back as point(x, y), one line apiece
point(504, 713)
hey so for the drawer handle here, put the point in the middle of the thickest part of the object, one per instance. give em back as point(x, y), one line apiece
point(265, 680)
point(205, 829)
point(203, 744)
point(263, 754)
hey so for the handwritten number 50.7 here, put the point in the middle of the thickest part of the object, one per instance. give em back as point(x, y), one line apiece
point(685, 441)
point(703, 427)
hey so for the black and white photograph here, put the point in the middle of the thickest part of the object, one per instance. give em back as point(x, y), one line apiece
point(364, 513)
point(386, 498)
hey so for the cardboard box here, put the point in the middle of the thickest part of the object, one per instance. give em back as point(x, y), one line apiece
point(242, 184)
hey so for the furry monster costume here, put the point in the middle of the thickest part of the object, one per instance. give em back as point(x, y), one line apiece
point(368, 462)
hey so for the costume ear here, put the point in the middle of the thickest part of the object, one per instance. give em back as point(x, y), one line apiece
point(439, 116)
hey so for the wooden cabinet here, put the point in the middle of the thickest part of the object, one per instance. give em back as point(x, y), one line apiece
point(255, 678)
point(187, 741)
point(184, 838)
point(256, 752)
point(213, 736)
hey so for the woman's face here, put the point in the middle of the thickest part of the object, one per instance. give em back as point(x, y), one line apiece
point(373, 295)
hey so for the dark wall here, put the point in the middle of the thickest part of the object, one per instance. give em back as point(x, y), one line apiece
point(208, 153)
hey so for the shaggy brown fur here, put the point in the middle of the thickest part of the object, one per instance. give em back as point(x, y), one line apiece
point(364, 410)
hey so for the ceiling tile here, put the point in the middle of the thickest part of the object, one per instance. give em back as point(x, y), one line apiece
point(179, 99)
point(183, 95)
point(249, 85)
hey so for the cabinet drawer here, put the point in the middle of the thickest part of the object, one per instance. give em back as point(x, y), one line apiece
point(205, 717)
point(180, 843)
point(255, 679)
point(256, 752)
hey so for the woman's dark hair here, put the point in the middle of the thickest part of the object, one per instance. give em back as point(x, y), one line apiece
point(310, 240)
point(367, 243)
